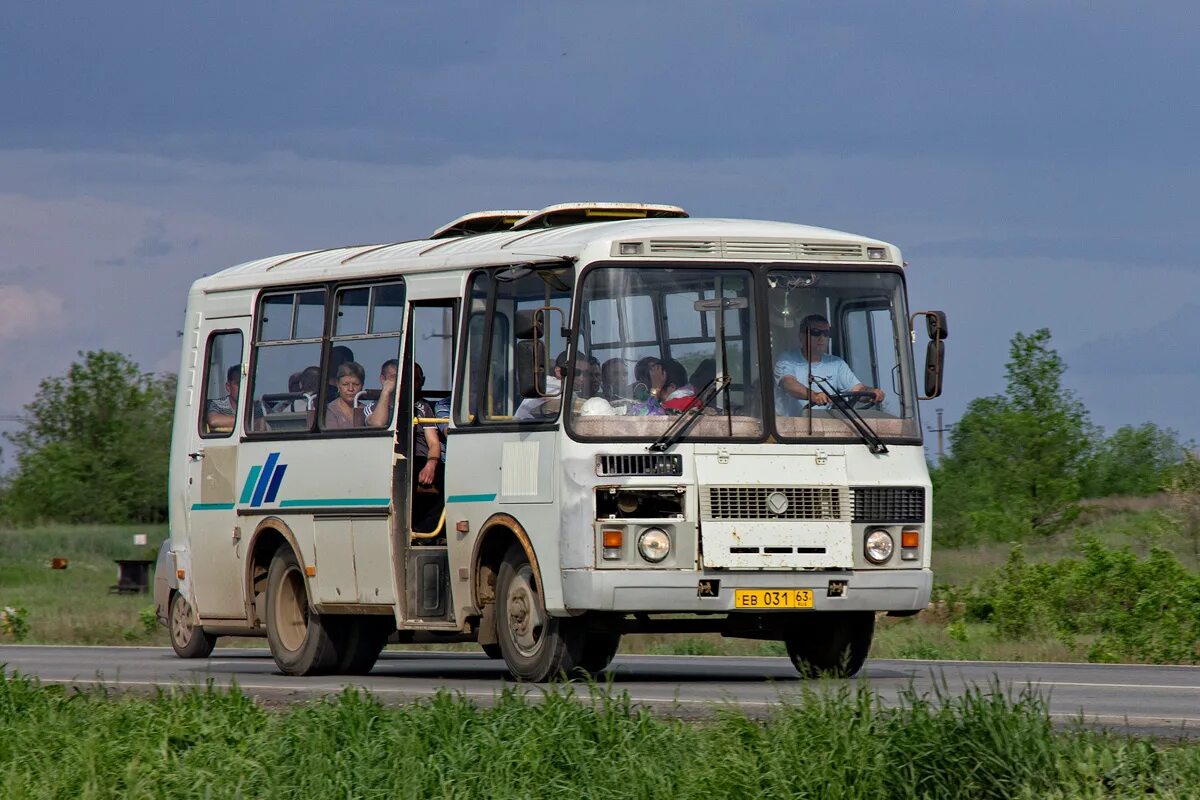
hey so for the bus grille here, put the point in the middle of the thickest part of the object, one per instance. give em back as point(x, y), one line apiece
point(756, 502)
point(639, 464)
point(889, 503)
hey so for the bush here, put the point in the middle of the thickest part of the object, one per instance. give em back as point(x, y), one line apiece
point(1136, 610)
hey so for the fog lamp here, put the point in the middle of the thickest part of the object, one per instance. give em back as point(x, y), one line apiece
point(879, 546)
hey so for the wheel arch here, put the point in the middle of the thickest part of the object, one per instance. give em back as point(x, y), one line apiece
point(268, 535)
point(496, 536)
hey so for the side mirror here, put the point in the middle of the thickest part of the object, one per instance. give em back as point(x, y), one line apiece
point(532, 355)
point(935, 352)
point(935, 324)
point(935, 363)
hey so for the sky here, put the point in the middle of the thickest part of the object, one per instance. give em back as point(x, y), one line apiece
point(1035, 161)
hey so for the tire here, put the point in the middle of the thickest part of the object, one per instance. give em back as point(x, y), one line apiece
point(302, 642)
point(187, 640)
point(535, 645)
point(598, 650)
point(830, 643)
point(362, 639)
point(492, 650)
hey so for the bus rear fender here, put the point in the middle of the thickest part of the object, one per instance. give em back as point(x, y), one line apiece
point(264, 542)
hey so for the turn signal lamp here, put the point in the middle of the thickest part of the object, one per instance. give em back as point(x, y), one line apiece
point(613, 540)
point(909, 541)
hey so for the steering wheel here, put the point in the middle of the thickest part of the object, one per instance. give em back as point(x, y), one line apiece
point(857, 401)
point(860, 401)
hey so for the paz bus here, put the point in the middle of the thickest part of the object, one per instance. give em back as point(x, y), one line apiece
point(650, 423)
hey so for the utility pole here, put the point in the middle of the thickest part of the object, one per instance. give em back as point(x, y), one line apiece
point(940, 430)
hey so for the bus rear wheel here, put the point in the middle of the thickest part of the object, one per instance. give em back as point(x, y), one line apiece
point(188, 639)
point(302, 642)
point(830, 643)
point(362, 640)
point(535, 645)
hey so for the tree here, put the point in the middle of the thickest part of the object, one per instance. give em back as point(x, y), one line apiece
point(1133, 461)
point(1015, 461)
point(95, 447)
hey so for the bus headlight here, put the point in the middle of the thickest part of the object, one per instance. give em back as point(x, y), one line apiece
point(879, 546)
point(654, 544)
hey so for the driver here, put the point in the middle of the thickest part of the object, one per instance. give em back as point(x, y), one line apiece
point(793, 369)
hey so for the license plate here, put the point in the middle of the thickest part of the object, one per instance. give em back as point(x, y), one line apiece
point(772, 598)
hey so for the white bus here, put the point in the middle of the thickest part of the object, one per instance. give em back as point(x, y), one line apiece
point(650, 423)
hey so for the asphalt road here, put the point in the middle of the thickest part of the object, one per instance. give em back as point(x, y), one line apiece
point(1140, 699)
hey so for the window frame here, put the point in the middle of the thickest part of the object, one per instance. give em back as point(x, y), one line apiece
point(477, 423)
point(331, 289)
point(203, 405)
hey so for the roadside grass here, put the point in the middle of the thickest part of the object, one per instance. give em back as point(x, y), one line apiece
point(73, 605)
point(833, 741)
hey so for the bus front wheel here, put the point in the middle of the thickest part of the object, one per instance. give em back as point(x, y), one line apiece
point(830, 643)
point(301, 641)
point(535, 645)
point(188, 639)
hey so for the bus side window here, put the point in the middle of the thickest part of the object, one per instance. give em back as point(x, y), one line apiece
point(286, 385)
point(366, 330)
point(222, 384)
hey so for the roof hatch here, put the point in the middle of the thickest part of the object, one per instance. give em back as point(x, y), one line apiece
point(481, 222)
point(578, 213)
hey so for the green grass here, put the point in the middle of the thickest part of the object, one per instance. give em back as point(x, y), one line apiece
point(74, 606)
point(836, 743)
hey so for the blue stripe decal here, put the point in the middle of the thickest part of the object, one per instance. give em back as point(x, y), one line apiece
point(261, 488)
point(470, 498)
point(248, 489)
point(336, 501)
point(276, 479)
point(212, 506)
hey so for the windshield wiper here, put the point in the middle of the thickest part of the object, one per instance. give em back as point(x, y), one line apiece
point(872, 440)
point(684, 423)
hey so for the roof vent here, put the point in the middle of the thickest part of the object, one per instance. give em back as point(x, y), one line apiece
point(579, 213)
point(481, 222)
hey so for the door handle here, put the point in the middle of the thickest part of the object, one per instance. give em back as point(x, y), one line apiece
point(196, 456)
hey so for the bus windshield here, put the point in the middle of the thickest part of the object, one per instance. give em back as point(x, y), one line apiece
point(651, 339)
point(842, 332)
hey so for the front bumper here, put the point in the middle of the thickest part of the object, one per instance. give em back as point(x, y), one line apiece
point(678, 590)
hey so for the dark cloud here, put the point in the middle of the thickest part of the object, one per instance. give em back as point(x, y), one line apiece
point(1122, 250)
point(411, 83)
point(1140, 346)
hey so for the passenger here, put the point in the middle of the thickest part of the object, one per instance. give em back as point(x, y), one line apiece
point(614, 379)
point(793, 369)
point(338, 355)
point(542, 407)
point(668, 391)
point(641, 377)
point(379, 412)
point(441, 410)
point(342, 413)
point(704, 374)
point(310, 382)
point(221, 414)
point(428, 471)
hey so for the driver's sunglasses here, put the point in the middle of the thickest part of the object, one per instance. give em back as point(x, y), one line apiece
point(817, 332)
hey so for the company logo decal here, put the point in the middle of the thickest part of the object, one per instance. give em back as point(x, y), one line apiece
point(262, 484)
point(777, 503)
